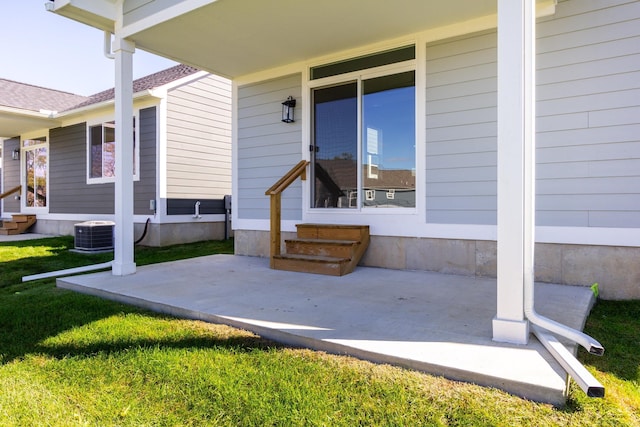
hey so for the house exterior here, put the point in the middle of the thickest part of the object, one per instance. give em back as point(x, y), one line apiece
point(65, 147)
point(490, 138)
point(587, 149)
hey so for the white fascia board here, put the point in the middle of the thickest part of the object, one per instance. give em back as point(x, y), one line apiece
point(597, 236)
point(95, 13)
point(182, 81)
point(164, 15)
point(42, 114)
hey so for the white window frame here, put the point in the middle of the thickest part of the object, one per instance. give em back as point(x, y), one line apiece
point(136, 155)
point(23, 172)
point(358, 77)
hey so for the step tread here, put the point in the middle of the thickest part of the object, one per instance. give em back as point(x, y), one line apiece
point(22, 217)
point(324, 241)
point(336, 226)
point(313, 258)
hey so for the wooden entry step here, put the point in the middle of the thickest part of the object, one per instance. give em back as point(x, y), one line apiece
point(19, 224)
point(329, 249)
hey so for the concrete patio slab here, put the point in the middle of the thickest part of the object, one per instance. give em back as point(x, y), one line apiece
point(440, 324)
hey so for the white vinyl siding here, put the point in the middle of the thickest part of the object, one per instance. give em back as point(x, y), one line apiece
point(267, 147)
point(461, 130)
point(588, 139)
point(199, 139)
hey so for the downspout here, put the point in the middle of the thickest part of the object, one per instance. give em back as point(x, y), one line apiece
point(529, 194)
point(107, 45)
point(590, 344)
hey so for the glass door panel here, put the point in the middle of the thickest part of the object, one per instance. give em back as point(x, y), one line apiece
point(388, 141)
point(35, 176)
point(334, 149)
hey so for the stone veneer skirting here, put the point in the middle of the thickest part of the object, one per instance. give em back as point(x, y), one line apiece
point(615, 269)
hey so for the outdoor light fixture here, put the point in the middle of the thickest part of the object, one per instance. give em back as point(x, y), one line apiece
point(15, 154)
point(287, 110)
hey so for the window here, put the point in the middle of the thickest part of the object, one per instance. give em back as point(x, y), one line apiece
point(102, 152)
point(363, 136)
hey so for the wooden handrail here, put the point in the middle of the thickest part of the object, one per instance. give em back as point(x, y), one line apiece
point(299, 170)
point(275, 191)
point(9, 192)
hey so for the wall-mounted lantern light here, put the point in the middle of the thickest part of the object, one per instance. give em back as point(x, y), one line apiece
point(288, 107)
point(15, 154)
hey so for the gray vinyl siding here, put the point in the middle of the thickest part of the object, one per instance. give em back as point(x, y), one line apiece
point(588, 120)
point(461, 130)
point(145, 188)
point(267, 147)
point(199, 139)
point(588, 139)
point(68, 188)
point(11, 175)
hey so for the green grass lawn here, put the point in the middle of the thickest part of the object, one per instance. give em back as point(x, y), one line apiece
point(68, 359)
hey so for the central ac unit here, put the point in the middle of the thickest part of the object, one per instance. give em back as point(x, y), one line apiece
point(93, 236)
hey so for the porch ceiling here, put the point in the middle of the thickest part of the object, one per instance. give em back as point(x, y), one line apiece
point(16, 122)
point(239, 37)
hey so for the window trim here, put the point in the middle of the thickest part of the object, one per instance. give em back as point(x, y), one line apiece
point(101, 121)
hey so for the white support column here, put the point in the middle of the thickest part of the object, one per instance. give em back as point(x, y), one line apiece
point(123, 263)
point(516, 165)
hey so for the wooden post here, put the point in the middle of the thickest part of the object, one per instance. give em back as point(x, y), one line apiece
point(275, 226)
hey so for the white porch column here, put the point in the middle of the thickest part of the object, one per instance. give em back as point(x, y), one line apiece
point(516, 165)
point(123, 263)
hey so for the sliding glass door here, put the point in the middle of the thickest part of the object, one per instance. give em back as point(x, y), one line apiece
point(373, 167)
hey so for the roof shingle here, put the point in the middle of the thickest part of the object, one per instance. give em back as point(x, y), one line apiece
point(34, 98)
point(144, 83)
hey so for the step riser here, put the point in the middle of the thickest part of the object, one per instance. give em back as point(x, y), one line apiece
point(332, 233)
point(19, 224)
point(22, 218)
point(326, 249)
point(330, 269)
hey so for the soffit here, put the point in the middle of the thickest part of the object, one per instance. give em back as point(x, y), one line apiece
point(238, 37)
point(15, 123)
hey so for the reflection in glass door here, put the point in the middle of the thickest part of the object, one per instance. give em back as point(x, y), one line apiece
point(389, 142)
point(35, 155)
point(334, 152)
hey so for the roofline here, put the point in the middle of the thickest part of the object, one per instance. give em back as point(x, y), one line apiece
point(148, 93)
point(42, 114)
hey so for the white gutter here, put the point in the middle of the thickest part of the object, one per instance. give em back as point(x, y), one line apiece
point(68, 271)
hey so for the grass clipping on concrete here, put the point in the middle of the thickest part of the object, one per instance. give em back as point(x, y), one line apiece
point(68, 359)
